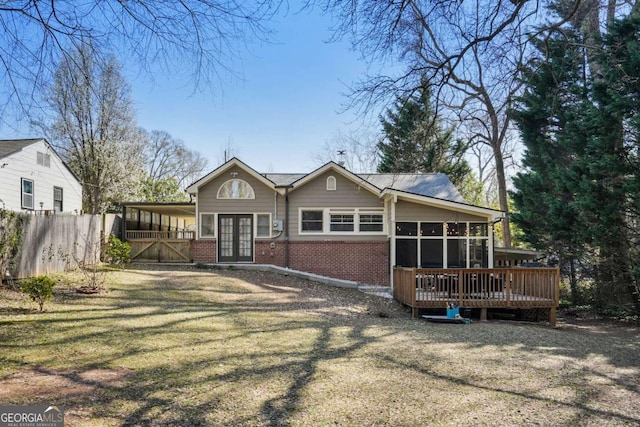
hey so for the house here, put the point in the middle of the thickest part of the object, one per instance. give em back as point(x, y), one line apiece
point(33, 178)
point(336, 223)
point(412, 232)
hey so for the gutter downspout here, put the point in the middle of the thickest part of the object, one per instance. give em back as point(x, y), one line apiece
point(286, 226)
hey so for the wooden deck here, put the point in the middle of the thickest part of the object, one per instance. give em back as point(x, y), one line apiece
point(481, 288)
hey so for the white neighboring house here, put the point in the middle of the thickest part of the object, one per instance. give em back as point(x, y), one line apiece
point(34, 178)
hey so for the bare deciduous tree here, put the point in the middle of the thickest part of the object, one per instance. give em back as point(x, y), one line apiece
point(355, 150)
point(197, 39)
point(168, 157)
point(469, 52)
point(94, 129)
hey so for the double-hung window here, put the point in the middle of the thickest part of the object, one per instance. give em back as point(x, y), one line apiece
point(371, 222)
point(57, 199)
point(263, 225)
point(342, 221)
point(27, 193)
point(312, 221)
point(207, 225)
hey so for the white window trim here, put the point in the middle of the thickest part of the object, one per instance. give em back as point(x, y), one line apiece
point(252, 195)
point(255, 225)
point(61, 197)
point(215, 226)
point(331, 183)
point(324, 221)
point(356, 212)
point(22, 193)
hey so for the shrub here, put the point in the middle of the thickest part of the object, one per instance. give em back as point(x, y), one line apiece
point(39, 289)
point(118, 252)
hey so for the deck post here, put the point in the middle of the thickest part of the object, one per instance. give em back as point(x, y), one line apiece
point(483, 314)
point(553, 317)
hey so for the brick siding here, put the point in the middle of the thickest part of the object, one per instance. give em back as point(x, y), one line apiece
point(365, 262)
point(203, 251)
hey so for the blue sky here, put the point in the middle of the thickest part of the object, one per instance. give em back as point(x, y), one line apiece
point(279, 116)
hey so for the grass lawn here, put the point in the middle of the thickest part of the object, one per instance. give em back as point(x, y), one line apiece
point(192, 347)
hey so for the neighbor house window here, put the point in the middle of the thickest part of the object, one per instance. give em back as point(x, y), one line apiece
point(236, 189)
point(57, 199)
point(27, 194)
point(263, 225)
point(331, 183)
point(312, 221)
point(207, 225)
point(44, 159)
point(341, 222)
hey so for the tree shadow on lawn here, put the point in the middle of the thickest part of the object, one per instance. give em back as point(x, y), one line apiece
point(195, 390)
point(153, 395)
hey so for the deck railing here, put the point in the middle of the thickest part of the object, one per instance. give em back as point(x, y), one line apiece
point(477, 287)
point(160, 235)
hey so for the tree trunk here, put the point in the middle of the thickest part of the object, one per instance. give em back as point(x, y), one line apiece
point(502, 194)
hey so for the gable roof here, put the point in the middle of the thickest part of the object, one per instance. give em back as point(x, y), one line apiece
point(193, 188)
point(435, 185)
point(10, 146)
point(332, 166)
point(425, 188)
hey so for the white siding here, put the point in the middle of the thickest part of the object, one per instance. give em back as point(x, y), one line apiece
point(23, 164)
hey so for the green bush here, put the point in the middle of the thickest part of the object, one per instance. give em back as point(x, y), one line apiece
point(118, 252)
point(39, 289)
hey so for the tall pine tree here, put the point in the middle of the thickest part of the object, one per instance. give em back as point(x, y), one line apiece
point(579, 193)
point(549, 119)
point(413, 141)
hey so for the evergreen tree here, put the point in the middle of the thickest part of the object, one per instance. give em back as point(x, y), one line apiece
point(413, 141)
point(579, 193)
point(611, 157)
point(549, 119)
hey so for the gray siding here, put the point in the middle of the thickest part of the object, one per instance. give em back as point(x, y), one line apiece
point(347, 194)
point(208, 202)
point(406, 211)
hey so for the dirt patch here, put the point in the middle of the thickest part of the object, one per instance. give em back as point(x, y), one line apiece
point(50, 384)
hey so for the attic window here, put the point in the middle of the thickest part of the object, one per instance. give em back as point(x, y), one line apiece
point(236, 189)
point(331, 183)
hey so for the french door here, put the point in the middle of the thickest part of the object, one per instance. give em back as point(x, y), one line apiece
point(235, 238)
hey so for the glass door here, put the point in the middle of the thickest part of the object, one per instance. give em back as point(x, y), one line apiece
point(235, 238)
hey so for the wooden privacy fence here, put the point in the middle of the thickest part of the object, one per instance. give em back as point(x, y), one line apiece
point(49, 239)
point(478, 288)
